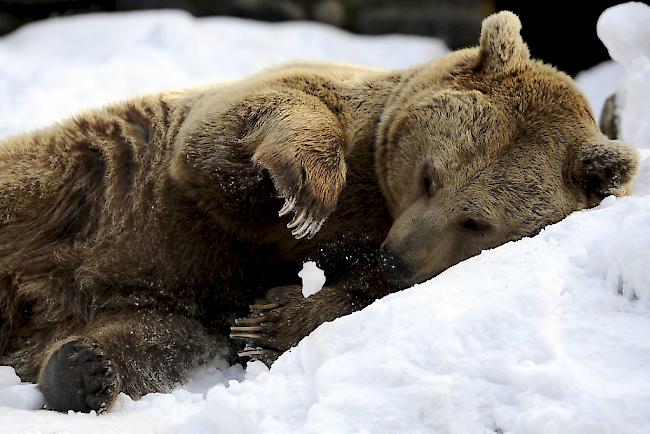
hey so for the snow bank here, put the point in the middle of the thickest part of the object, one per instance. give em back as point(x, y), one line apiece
point(546, 334)
point(543, 335)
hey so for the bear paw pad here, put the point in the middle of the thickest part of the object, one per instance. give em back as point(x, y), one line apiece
point(79, 377)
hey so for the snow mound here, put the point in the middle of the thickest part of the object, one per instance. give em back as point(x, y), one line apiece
point(546, 334)
point(542, 335)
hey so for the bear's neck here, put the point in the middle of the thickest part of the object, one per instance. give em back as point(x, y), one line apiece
point(365, 105)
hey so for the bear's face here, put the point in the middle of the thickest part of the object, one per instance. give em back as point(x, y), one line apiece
point(487, 146)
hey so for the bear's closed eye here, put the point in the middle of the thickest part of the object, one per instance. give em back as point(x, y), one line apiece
point(476, 225)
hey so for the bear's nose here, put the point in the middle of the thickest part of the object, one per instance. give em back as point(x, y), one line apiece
point(394, 267)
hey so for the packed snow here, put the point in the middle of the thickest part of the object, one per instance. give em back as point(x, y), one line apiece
point(546, 334)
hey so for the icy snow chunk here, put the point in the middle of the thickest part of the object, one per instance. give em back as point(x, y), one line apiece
point(21, 396)
point(8, 376)
point(16, 395)
point(625, 31)
point(313, 278)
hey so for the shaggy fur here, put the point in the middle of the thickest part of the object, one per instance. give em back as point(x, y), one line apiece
point(132, 238)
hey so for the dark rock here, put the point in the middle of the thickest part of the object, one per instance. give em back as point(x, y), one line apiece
point(265, 10)
point(609, 120)
point(459, 27)
point(7, 23)
point(128, 5)
point(330, 12)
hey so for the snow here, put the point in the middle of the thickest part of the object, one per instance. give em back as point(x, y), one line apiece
point(625, 32)
point(15, 394)
point(313, 278)
point(58, 67)
point(544, 335)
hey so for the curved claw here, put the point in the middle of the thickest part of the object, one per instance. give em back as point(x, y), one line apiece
point(315, 228)
point(256, 351)
point(250, 321)
point(289, 204)
point(297, 219)
point(247, 336)
point(246, 329)
point(303, 229)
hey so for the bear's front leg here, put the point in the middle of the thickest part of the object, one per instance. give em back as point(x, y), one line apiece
point(287, 133)
point(133, 352)
point(302, 148)
point(284, 317)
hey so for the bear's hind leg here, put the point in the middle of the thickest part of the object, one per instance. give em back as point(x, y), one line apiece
point(135, 352)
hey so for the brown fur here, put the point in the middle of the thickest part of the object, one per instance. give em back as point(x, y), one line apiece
point(146, 228)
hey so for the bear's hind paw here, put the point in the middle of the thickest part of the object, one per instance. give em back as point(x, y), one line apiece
point(79, 377)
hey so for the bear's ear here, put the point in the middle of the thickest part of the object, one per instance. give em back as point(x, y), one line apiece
point(502, 48)
point(605, 167)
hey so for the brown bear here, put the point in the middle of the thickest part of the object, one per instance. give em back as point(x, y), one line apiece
point(133, 239)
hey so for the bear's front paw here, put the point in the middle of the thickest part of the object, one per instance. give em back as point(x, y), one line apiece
point(309, 182)
point(272, 327)
point(79, 377)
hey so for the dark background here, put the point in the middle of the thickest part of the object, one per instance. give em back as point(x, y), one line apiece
point(560, 33)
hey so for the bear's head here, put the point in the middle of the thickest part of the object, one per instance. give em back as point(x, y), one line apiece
point(485, 146)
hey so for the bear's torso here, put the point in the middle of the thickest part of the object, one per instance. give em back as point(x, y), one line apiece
point(93, 221)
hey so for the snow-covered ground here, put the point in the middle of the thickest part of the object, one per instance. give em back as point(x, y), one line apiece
point(544, 335)
point(53, 69)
